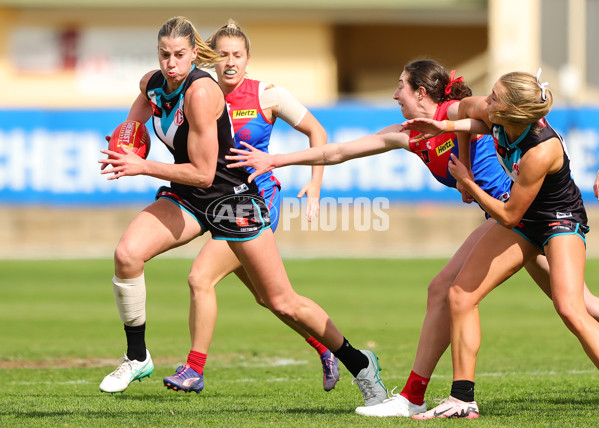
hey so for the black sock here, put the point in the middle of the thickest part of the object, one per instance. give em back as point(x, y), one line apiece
point(351, 358)
point(136, 342)
point(463, 390)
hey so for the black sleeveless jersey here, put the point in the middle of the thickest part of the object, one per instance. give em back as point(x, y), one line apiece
point(558, 197)
point(172, 127)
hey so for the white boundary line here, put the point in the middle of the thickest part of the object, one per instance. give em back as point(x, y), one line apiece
point(538, 373)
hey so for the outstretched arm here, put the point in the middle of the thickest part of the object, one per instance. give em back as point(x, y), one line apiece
point(329, 154)
point(430, 128)
point(285, 106)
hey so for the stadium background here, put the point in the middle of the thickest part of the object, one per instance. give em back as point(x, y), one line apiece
point(70, 71)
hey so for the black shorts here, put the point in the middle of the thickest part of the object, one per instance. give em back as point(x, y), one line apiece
point(230, 217)
point(539, 232)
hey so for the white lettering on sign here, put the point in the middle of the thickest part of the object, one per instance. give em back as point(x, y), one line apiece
point(66, 163)
point(60, 162)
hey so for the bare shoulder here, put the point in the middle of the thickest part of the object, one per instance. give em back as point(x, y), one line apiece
point(555, 154)
point(547, 157)
point(452, 111)
point(205, 91)
point(474, 108)
point(143, 83)
point(471, 107)
point(204, 85)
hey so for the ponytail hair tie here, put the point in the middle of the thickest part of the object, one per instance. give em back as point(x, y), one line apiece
point(542, 86)
point(452, 80)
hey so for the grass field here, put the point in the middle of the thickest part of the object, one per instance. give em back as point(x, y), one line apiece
point(60, 334)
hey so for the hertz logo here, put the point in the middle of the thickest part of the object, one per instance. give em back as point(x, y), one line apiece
point(448, 145)
point(242, 114)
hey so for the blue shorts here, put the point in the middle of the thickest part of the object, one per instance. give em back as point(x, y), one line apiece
point(540, 232)
point(229, 217)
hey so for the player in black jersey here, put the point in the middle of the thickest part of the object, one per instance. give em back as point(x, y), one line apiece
point(545, 214)
point(254, 107)
point(425, 89)
point(190, 116)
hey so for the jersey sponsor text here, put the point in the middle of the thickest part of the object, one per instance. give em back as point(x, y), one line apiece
point(244, 114)
point(448, 145)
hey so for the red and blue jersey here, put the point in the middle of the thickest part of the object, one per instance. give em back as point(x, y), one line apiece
point(249, 123)
point(251, 126)
point(435, 153)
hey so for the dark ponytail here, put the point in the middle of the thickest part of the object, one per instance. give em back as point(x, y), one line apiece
point(439, 85)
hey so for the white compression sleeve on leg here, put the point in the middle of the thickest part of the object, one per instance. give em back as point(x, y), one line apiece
point(130, 297)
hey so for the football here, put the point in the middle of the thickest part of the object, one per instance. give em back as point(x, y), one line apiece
point(131, 134)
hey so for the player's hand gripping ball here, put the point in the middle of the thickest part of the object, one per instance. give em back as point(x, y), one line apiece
point(131, 134)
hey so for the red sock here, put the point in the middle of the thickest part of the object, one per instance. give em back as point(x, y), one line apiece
point(415, 388)
point(320, 348)
point(197, 361)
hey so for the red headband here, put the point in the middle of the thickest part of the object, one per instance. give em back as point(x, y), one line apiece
point(452, 81)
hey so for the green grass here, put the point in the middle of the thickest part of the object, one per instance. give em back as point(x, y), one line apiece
point(60, 334)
